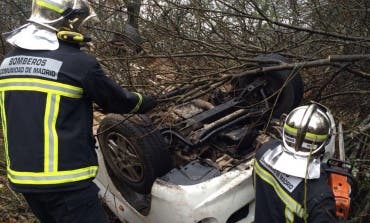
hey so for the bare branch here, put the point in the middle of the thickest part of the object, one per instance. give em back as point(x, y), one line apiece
point(343, 93)
point(315, 63)
point(336, 35)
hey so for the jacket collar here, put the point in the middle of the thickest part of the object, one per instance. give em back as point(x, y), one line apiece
point(33, 37)
point(278, 158)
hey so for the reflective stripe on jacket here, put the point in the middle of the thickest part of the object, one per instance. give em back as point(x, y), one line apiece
point(280, 197)
point(46, 109)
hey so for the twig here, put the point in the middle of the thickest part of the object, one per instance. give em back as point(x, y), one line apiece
point(14, 194)
point(324, 85)
point(343, 93)
point(319, 32)
point(315, 63)
point(5, 198)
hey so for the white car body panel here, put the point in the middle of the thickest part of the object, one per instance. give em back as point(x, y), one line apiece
point(212, 201)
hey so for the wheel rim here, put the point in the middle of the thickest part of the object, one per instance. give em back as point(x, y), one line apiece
point(123, 158)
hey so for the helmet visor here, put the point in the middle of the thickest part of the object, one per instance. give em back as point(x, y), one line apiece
point(58, 13)
point(50, 11)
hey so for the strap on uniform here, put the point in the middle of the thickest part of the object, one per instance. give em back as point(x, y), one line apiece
point(289, 215)
point(293, 206)
point(47, 178)
point(4, 126)
point(40, 85)
point(138, 103)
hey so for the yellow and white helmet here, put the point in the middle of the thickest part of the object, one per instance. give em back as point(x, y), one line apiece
point(57, 14)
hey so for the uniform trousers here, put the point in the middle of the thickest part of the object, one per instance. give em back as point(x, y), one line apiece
point(77, 206)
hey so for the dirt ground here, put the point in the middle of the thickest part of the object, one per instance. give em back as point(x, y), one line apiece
point(13, 208)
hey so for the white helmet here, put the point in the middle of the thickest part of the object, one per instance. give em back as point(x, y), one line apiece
point(307, 130)
point(57, 14)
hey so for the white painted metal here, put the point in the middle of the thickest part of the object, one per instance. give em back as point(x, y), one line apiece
point(212, 201)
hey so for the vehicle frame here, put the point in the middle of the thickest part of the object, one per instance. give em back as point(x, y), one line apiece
point(199, 168)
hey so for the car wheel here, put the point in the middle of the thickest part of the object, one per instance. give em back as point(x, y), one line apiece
point(133, 150)
point(296, 81)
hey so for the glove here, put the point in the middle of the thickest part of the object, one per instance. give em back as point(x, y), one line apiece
point(149, 102)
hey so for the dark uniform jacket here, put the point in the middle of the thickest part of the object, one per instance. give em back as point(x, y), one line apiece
point(46, 109)
point(280, 197)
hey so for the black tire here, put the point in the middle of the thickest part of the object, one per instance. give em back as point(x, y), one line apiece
point(289, 97)
point(133, 150)
point(296, 81)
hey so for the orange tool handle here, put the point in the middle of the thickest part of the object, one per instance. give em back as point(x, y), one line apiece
point(341, 189)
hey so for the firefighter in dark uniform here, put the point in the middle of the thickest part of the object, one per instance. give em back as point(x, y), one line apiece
point(290, 179)
point(47, 89)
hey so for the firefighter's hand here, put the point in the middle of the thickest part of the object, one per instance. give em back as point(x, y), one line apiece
point(149, 102)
